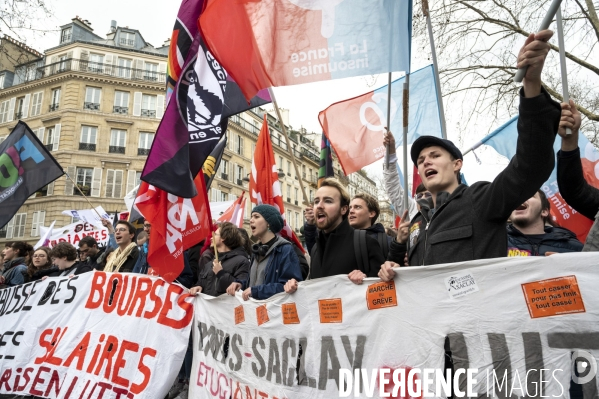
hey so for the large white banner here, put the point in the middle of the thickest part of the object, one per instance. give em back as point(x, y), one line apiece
point(96, 335)
point(74, 232)
point(514, 326)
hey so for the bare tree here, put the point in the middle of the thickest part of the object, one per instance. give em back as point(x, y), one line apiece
point(478, 42)
point(19, 17)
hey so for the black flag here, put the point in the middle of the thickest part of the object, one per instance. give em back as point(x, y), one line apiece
point(25, 167)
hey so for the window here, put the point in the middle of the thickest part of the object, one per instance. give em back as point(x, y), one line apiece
point(145, 143)
point(88, 138)
point(289, 218)
point(239, 174)
point(30, 72)
point(114, 183)
point(288, 168)
point(84, 181)
point(289, 193)
point(92, 98)
point(121, 102)
point(239, 145)
point(4, 111)
point(62, 66)
point(55, 99)
point(281, 163)
point(296, 196)
point(311, 195)
point(148, 105)
point(224, 197)
point(36, 103)
point(297, 223)
point(38, 220)
point(19, 108)
point(19, 225)
point(50, 138)
point(127, 39)
point(2, 81)
point(117, 141)
point(65, 35)
point(151, 72)
point(124, 68)
point(96, 62)
point(224, 169)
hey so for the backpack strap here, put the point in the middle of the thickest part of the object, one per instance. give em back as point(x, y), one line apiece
point(361, 250)
point(384, 243)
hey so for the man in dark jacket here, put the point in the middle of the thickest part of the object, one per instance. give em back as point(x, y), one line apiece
point(466, 223)
point(531, 234)
point(334, 251)
point(233, 263)
point(91, 254)
point(573, 187)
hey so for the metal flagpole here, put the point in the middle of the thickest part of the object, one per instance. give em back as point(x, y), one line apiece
point(83, 195)
point(562, 60)
point(406, 111)
point(387, 150)
point(431, 38)
point(289, 148)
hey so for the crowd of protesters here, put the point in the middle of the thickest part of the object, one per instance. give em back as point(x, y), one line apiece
point(446, 222)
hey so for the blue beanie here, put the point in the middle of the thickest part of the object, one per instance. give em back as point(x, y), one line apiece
point(272, 217)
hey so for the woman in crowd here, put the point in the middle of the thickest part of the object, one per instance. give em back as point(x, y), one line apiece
point(233, 263)
point(39, 262)
point(274, 261)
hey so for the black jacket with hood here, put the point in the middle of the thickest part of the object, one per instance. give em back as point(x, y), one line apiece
point(555, 239)
point(470, 223)
point(311, 232)
point(236, 266)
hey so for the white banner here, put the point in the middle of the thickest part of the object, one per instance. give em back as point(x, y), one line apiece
point(91, 216)
point(96, 335)
point(74, 232)
point(511, 320)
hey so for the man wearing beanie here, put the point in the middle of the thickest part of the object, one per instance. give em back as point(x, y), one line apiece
point(273, 260)
point(466, 223)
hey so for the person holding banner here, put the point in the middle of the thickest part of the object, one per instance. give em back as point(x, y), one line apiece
point(575, 190)
point(468, 223)
point(274, 261)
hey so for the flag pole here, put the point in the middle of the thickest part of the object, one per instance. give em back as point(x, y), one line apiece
point(289, 148)
point(83, 195)
point(562, 60)
point(406, 111)
point(387, 150)
point(425, 11)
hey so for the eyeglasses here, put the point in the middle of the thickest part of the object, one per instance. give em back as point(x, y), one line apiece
point(122, 230)
point(425, 194)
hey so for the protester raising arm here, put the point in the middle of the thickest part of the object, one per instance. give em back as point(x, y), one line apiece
point(392, 182)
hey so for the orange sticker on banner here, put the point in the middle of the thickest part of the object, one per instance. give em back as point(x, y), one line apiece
point(290, 315)
point(239, 315)
point(262, 315)
point(381, 295)
point(330, 310)
point(553, 297)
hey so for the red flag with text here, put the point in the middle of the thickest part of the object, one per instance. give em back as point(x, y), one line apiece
point(177, 224)
point(234, 213)
point(264, 180)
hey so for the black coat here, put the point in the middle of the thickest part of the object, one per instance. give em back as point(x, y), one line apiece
point(334, 253)
point(77, 269)
point(556, 239)
point(470, 223)
point(236, 267)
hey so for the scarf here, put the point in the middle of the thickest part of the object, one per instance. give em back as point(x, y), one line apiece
point(117, 258)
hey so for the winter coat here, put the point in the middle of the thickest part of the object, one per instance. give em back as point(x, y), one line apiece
point(14, 272)
point(579, 194)
point(334, 253)
point(555, 239)
point(282, 265)
point(77, 269)
point(394, 189)
point(98, 261)
point(470, 222)
point(236, 266)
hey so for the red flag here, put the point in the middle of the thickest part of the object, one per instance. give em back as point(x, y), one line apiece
point(416, 180)
point(177, 224)
point(264, 180)
point(234, 213)
point(397, 221)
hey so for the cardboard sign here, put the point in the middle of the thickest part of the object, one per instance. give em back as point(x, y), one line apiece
point(331, 310)
point(261, 315)
point(553, 297)
point(381, 295)
point(290, 315)
point(239, 315)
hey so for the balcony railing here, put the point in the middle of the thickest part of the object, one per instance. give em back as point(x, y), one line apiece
point(224, 176)
point(127, 42)
point(92, 106)
point(239, 182)
point(120, 110)
point(148, 113)
point(53, 107)
point(116, 150)
point(49, 147)
point(87, 147)
point(86, 66)
point(143, 151)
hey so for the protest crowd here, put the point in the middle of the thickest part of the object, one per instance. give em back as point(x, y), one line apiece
point(447, 221)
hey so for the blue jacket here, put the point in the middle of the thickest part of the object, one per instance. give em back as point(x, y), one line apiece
point(283, 265)
point(556, 239)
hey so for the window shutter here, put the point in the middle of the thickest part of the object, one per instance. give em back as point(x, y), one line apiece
point(40, 133)
point(137, 68)
point(11, 109)
point(26, 101)
point(241, 145)
point(96, 182)
point(68, 187)
point(109, 183)
point(10, 228)
point(118, 184)
point(159, 106)
point(50, 189)
point(56, 137)
point(137, 103)
point(131, 180)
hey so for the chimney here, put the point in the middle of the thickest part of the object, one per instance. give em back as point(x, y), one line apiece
point(112, 26)
point(167, 42)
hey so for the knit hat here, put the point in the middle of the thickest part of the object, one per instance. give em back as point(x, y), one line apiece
point(271, 215)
